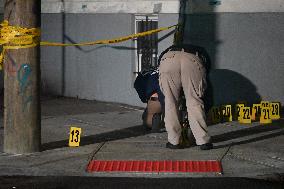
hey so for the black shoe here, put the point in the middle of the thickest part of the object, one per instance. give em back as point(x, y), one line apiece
point(207, 146)
point(171, 146)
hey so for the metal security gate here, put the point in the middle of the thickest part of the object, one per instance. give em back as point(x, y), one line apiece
point(147, 46)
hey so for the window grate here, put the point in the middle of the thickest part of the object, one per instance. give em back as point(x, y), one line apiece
point(147, 46)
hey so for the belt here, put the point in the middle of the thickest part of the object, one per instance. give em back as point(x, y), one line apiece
point(154, 98)
point(191, 51)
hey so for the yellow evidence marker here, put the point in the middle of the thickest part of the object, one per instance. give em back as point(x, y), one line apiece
point(237, 110)
point(74, 137)
point(265, 115)
point(264, 104)
point(216, 114)
point(227, 113)
point(255, 112)
point(275, 110)
point(245, 115)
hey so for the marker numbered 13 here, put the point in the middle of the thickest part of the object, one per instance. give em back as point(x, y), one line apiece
point(74, 137)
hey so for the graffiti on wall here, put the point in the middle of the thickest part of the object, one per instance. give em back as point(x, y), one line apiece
point(24, 80)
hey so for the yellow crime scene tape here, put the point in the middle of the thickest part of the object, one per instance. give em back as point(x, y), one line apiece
point(16, 37)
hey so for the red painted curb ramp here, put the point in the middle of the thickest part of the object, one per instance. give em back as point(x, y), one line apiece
point(154, 166)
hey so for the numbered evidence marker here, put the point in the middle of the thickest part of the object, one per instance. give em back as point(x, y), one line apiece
point(245, 115)
point(227, 113)
point(255, 112)
point(74, 138)
point(215, 114)
point(264, 104)
point(275, 110)
point(265, 115)
point(237, 110)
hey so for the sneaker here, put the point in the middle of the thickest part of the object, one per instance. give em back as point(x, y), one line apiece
point(207, 146)
point(172, 146)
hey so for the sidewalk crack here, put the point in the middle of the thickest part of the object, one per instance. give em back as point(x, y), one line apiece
point(226, 152)
point(94, 154)
point(252, 161)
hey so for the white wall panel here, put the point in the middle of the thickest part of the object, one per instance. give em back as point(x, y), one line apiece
point(158, 6)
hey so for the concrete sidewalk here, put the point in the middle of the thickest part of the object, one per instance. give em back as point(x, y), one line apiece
point(113, 132)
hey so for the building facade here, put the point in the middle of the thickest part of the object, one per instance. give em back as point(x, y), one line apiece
point(243, 38)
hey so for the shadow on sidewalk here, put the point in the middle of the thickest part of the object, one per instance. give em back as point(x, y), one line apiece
point(134, 131)
point(138, 130)
point(276, 125)
point(252, 140)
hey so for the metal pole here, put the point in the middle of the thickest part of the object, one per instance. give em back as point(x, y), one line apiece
point(22, 126)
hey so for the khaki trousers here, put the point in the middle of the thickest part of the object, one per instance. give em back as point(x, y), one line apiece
point(180, 69)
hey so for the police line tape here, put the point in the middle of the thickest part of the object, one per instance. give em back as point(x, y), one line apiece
point(110, 41)
point(15, 37)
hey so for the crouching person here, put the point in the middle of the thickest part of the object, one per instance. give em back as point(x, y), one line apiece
point(148, 89)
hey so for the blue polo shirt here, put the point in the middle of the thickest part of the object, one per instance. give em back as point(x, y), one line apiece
point(146, 84)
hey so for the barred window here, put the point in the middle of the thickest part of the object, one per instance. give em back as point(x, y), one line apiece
point(147, 46)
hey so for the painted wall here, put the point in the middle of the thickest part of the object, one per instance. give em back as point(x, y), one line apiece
point(247, 54)
point(102, 72)
point(51, 57)
point(166, 38)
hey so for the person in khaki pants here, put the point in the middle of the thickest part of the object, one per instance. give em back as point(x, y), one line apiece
point(182, 67)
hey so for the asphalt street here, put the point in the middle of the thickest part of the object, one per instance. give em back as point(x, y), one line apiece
point(22, 182)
